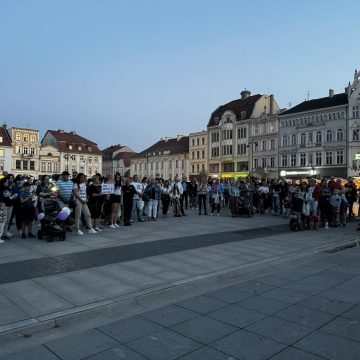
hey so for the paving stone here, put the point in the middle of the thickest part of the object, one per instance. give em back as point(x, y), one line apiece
point(313, 284)
point(330, 346)
point(295, 354)
point(286, 295)
point(164, 345)
point(294, 275)
point(280, 330)
point(202, 304)
point(34, 353)
point(329, 306)
point(81, 345)
point(304, 316)
point(130, 329)
point(9, 312)
point(118, 353)
point(353, 313)
point(206, 353)
point(334, 274)
point(236, 315)
point(169, 315)
point(273, 280)
point(263, 304)
point(252, 287)
point(341, 295)
point(230, 295)
point(248, 346)
point(204, 329)
point(348, 328)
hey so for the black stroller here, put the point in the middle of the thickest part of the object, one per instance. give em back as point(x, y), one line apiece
point(50, 226)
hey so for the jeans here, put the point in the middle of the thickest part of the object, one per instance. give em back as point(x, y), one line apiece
point(152, 208)
point(275, 205)
point(82, 208)
point(202, 201)
point(136, 209)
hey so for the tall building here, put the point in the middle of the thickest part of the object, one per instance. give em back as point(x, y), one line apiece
point(6, 150)
point(198, 153)
point(312, 138)
point(353, 92)
point(116, 159)
point(77, 154)
point(25, 159)
point(229, 134)
point(165, 159)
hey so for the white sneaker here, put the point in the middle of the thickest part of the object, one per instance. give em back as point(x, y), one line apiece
point(79, 232)
point(112, 226)
point(217, 214)
point(92, 231)
point(326, 225)
point(1, 241)
point(117, 226)
point(97, 229)
point(9, 234)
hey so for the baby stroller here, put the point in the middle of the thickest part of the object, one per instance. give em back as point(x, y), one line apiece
point(50, 226)
point(244, 207)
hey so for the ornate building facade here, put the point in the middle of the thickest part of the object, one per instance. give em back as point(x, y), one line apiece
point(198, 153)
point(6, 150)
point(116, 159)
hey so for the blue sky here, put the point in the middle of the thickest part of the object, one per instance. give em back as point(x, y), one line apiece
point(131, 72)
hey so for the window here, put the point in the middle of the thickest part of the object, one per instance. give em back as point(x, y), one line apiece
point(302, 139)
point(263, 162)
point(272, 144)
point(227, 150)
point(310, 138)
point(215, 152)
point(203, 154)
point(318, 137)
point(256, 146)
point(43, 166)
point(177, 164)
point(32, 151)
point(272, 127)
point(197, 167)
point(242, 133)
point(356, 135)
point(32, 165)
point(284, 141)
point(193, 142)
point(256, 163)
point(193, 155)
point(242, 149)
point(151, 165)
point(56, 167)
point(70, 147)
point(49, 167)
point(81, 158)
point(73, 157)
point(215, 137)
point(355, 112)
point(25, 165)
point(293, 160)
point(79, 148)
point(329, 158)
point(272, 162)
point(33, 138)
point(263, 145)
point(156, 165)
point(18, 149)
point(242, 166)
point(203, 141)
point(25, 152)
point(198, 141)
point(26, 138)
point(293, 139)
point(227, 134)
point(170, 164)
point(318, 158)
point(18, 165)
point(284, 160)
point(193, 168)
point(339, 135)
point(18, 137)
point(198, 154)
point(310, 158)
point(340, 157)
point(328, 136)
point(256, 130)
point(302, 159)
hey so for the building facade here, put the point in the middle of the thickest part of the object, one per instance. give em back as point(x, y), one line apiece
point(230, 134)
point(313, 138)
point(198, 153)
point(116, 160)
point(6, 150)
point(49, 158)
point(77, 154)
point(353, 92)
point(165, 159)
point(25, 157)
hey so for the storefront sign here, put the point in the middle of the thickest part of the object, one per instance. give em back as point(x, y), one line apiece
point(295, 173)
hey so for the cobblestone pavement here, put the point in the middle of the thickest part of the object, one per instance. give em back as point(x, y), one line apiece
point(291, 313)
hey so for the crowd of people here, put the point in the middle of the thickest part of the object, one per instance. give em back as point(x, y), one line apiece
point(112, 200)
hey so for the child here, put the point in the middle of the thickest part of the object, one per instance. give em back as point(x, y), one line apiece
point(3, 218)
point(296, 206)
point(314, 220)
point(286, 208)
point(335, 202)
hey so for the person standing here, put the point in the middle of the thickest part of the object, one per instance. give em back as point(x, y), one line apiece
point(128, 192)
point(27, 210)
point(324, 204)
point(95, 202)
point(115, 199)
point(137, 202)
point(176, 192)
point(184, 195)
point(153, 190)
point(351, 195)
point(202, 191)
point(165, 198)
point(65, 189)
point(6, 199)
point(216, 195)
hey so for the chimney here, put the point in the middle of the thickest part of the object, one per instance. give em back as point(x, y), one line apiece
point(178, 137)
point(331, 93)
point(271, 104)
point(348, 90)
point(73, 132)
point(245, 94)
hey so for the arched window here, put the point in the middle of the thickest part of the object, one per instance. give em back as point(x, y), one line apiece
point(303, 139)
point(284, 140)
point(318, 137)
point(328, 136)
point(339, 135)
point(293, 139)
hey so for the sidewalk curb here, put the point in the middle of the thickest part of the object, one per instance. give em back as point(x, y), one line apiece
point(139, 299)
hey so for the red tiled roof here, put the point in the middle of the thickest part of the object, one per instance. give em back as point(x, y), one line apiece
point(6, 140)
point(173, 145)
point(111, 149)
point(237, 107)
point(68, 138)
